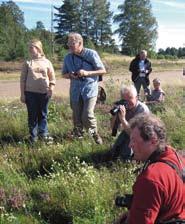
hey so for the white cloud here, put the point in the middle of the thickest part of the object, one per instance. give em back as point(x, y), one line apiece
point(171, 36)
point(171, 3)
point(46, 2)
point(38, 9)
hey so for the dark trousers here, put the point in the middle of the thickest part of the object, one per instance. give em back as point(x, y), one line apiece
point(37, 107)
point(120, 149)
point(141, 81)
point(121, 146)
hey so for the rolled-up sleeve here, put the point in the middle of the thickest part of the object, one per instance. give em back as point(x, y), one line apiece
point(98, 64)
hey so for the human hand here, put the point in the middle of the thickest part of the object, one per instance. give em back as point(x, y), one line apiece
point(82, 73)
point(74, 75)
point(142, 71)
point(22, 98)
point(50, 92)
point(122, 113)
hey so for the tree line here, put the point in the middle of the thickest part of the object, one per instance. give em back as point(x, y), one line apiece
point(136, 28)
point(171, 52)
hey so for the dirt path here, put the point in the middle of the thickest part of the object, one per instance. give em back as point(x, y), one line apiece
point(10, 89)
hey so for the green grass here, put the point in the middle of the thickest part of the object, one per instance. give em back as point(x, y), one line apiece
point(46, 183)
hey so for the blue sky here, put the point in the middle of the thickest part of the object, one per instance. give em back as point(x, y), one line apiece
point(169, 14)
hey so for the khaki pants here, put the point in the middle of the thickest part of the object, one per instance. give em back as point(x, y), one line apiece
point(83, 114)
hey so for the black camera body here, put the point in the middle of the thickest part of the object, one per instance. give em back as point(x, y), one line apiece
point(142, 71)
point(114, 111)
point(116, 108)
point(75, 73)
point(124, 201)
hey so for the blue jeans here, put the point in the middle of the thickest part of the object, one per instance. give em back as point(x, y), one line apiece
point(37, 107)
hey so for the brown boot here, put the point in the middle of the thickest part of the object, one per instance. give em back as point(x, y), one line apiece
point(97, 139)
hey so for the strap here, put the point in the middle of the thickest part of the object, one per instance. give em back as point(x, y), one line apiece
point(84, 59)
point(173, 166)
point(90, 63)
point(173, 221)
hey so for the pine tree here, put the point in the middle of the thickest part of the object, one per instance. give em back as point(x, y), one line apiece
point(12, 31)
point(91, 18)
point(101, 16)
point(68, 17)
point(137, 26)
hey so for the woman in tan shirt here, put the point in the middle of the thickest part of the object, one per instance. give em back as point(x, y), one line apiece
point(37, 82)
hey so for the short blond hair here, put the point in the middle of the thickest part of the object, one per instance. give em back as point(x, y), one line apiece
point(38, 44)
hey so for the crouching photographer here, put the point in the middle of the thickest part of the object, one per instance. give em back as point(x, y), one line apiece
point(159, 191)
point(125, 109)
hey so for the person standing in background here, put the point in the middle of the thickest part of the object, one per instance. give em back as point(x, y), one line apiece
point(37, 83)
point(140, 68)
point(83, 67)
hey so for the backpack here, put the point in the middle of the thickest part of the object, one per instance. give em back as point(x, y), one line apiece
point(101, 95)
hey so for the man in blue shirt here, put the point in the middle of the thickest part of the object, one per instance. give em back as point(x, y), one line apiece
point(83, 67)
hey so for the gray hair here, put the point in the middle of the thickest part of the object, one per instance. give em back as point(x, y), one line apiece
point(143, 52)
point(131, 90)
point(149, 126)
point(76, 37)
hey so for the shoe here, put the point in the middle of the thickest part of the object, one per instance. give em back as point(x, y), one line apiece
point(77, 133)
point(97, 139)
point(47, 139)
point(32, 140)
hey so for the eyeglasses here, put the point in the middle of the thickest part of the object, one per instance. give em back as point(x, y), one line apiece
point(72, 43)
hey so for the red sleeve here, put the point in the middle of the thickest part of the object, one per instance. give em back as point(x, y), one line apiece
point(147, 200)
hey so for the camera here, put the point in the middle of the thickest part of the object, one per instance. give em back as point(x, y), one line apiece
point(75, 73)
point(124, 201)
point(143, 71)
point(116, 109)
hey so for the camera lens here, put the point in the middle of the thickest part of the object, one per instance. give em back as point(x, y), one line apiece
point(115, 110)
point(124, 201)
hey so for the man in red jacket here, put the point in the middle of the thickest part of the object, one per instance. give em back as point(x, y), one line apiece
point(159, 191)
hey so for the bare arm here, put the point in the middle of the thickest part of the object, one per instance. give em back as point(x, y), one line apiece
point(84, 73)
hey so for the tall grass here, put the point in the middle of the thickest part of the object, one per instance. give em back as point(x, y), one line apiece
point(57, 183)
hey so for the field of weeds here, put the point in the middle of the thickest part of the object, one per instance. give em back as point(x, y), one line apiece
point(65, 182)
point(60, 182)
point(115, 65)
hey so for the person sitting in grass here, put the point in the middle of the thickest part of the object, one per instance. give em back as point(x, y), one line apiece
point(127, 108)
point(157, 95)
